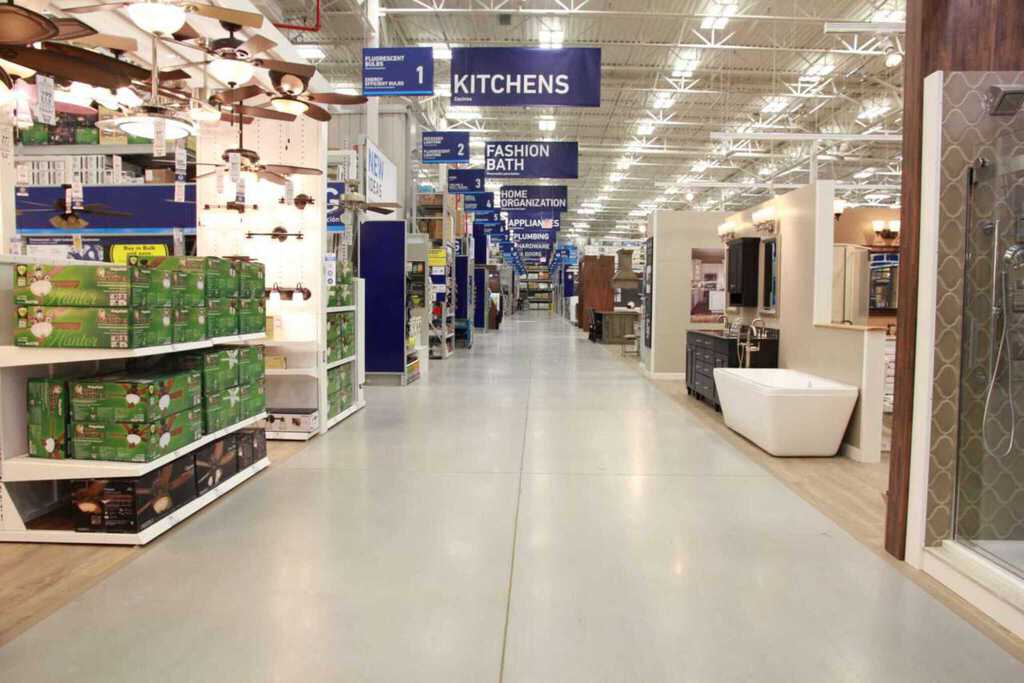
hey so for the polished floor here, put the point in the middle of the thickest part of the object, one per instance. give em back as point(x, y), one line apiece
point(532, 511)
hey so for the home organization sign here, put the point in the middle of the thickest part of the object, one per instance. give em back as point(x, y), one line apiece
point(524, 76)
point(534, 197)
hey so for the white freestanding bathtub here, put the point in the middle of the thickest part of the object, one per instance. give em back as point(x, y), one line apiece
point(785, 412)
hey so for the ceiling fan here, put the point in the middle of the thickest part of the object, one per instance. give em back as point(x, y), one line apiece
point(166, 17)
point(233, 60)
point(290, 95)
point(69, 216)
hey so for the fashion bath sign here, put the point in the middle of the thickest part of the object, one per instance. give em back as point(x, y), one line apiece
point(531, 159)
point(523, 76)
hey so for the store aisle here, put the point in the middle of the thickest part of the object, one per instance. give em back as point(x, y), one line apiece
point(532, 511)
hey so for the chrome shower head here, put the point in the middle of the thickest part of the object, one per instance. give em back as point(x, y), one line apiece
point(1005, 100)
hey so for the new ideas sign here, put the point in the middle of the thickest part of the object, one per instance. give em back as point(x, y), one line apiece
point(525, 76)
point(534, 197)
point(531, 159)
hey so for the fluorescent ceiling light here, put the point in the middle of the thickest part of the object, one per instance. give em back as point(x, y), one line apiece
point(817, 71)
point(608, 188)
point(774, 105)
point(719, 15)
point(663, 100)
point(685, 65)
point(699, 166)
point(345, 89)
point(875, 108)
point(551, 38)
point(765, 171)
point(580, 224)
point(893, 57)
point(546, 123)
point(623, 164)
point(157, 17)
point(645, 127)
point(312, 53)
point(689, 196)
point(462, 114)
point(884, 16)
point(586, 212)
point(615, 177)
point(443, 89)
point(441, 50)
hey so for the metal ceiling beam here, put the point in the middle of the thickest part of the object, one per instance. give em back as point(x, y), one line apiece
point(810, 137)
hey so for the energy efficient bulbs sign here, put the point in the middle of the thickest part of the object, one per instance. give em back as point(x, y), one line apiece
point(524, 76)
point(398, 71)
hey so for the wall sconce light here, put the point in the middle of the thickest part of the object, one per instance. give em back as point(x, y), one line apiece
point(765, 220)
point(886, 230)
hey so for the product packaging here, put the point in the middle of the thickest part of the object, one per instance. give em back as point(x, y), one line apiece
point(189, 324)
point(348, 334)
point(251, 279)
point(333, 326)
point(252, 316)
point(101, 285)
point(221, 317)
point(252, 447)
point(129, 505)
point(291, 420)
point(47, 418)
point(275, 362)
point(252, 399)
point(219, 367)
point(334, 351)
point(151, 326)
point(188, 276)
point(221, 279)
point(334, 380)
point(72, 327)
point(335, 404)
point(221, 410)
point(250, 364)
point(136, 441)
point(216, 462)
point(333, 296)
point(140, 398)
point(151, 288)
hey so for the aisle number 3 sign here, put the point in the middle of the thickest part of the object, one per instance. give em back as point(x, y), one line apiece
point(398, 71)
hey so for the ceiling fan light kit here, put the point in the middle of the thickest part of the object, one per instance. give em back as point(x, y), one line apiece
point(231, 70)
point(141, 122)
point(289, 105)
point(157, 17)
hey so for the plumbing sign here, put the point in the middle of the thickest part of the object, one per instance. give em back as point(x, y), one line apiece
point(526, 76)
point(532, 159)
point(398, 71)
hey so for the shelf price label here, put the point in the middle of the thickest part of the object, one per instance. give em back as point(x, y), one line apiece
point(159, 137)
point(45, 109)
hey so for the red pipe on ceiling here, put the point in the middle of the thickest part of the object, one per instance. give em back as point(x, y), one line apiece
point(315, 28)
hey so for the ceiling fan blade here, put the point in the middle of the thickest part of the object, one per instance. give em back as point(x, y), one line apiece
point(6, 79)
point(186, 32)
point(257, 44)
point(62, 67)
point(101, 7)
point(238, 94)
point(21, 26)
point(334, 98)
point(80, 54)
point(266, 113)
point(231, 16)
point(271, 177)
point(284, 169)
point(300, 70)
point(70, 28)
point(377, 208)
point(107, 212)
point(174, 75)
point(233, 118)
point(119, 43)
point(317, 113)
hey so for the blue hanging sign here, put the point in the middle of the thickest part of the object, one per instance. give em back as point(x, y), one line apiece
point(140, 209)
point(335, 209)
point(466, 180)
point(532, 197)
point(532, 159)
point(481, 201)
point(534, 220)
point(524, 76)
point(444, 147)
point(398, 71)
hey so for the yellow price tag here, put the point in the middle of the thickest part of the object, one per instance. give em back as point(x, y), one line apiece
point(121, 252)
point(437, 257)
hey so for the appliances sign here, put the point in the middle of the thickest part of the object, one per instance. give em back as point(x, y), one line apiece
point(532, 197)
point(523, 76)
point(532, 159)
point(398, 71)
point(535, 220)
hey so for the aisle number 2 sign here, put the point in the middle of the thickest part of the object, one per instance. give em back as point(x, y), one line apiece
point(398, 71)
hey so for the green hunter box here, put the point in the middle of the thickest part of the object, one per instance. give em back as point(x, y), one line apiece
point(151, 288)
point(334, 351)
point(333, 326)
point(141, 398)
point(252, 316)
point(100, 285)
point(335, 404)
point(72, 327)
point(187, 276)
point(136, 441)
point(334, 380)
point(151, 326)
point(251, 364)
point(221, 279)
point(130, 504)
point(221, 318)
point(348, 334)
point(189, 324)
point(221, 410)
point(252, 399)
point(47, 418)
point(252, 279)
point(219, 367)
point(333, 296)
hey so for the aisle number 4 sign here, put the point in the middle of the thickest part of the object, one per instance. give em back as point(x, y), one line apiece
point(398, 71)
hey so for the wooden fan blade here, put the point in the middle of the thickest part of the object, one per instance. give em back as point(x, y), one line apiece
point(64, 68)
point(284, 169)
point(233, 118)
point(85, 9)
point(317, 113)
point(334, 98)
point(300, 70)
point(238, 94)
point(174, 75)
point(266, 113)
point(71, 29)
point(107, 212)
point(231, 16)
point(186, 32)
point(376, 208)
point(79, 54)
point(257, 44)
point(207, 175)
point(119, 43)
point(6, 79)
point(272, 177)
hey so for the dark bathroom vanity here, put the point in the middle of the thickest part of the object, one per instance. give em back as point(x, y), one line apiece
point(710, 349)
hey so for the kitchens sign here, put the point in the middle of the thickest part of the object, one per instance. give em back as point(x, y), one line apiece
point(531, 159)
point(523, 76)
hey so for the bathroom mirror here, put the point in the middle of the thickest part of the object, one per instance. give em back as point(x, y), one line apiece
point(768, 304)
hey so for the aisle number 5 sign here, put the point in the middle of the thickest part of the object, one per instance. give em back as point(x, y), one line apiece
point(398, 71)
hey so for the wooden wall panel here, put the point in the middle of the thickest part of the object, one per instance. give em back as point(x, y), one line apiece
point(942, 35)
point(592, 287)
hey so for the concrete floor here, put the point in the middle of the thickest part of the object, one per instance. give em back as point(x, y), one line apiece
point(532, 511)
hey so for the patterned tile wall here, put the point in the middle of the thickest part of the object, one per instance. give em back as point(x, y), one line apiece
point(988, 500)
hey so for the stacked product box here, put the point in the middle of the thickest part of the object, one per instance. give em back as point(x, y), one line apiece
point(339, 389)
point(219, 368)
point(99, 305)
point(348, 334)
point(186, 276)
point(134, 417)
point(221, 298)
point(252, 394)
point(47, 418)
point(250, 307)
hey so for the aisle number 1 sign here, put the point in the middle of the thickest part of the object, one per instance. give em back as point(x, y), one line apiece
point(398, 71)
